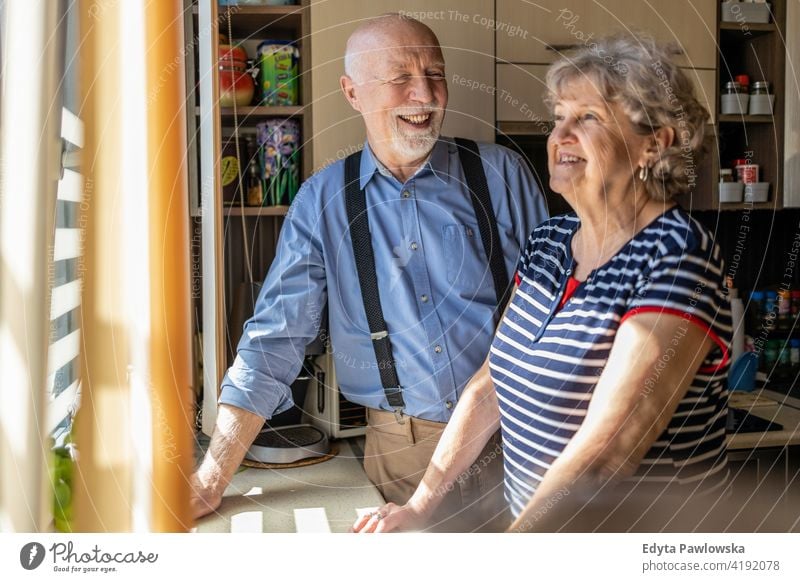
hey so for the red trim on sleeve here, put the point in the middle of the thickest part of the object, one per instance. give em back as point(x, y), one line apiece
point(569, 291)
point(689, 317)
point(517, 278)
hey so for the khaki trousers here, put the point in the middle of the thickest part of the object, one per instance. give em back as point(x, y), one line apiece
point(397, 455)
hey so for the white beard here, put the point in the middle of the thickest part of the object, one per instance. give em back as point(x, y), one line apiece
point(416, 144)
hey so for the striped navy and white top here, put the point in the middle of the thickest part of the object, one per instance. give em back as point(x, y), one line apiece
point(546, 359)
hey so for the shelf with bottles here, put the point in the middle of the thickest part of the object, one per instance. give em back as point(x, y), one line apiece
point(259, 76)
point(778, 358)
point(774, 313)
point(751, 71)
point(750, 173)
point(264, 163)
point(772, 331)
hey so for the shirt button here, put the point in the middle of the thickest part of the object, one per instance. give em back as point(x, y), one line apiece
point(424, 298)
point(448, 404)
point(437, 349)
point(406, 194)
point(414, 246)
point(569, 272)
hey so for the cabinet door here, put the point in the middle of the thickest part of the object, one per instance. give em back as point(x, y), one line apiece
point(520, 91)
point(526, 29)
point(467, 37)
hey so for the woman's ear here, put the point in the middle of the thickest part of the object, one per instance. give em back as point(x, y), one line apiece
point(660, 140)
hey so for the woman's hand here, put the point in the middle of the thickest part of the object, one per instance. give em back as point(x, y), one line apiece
point(388, 518)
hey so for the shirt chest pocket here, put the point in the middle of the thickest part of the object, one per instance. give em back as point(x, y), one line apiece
point(464, 258)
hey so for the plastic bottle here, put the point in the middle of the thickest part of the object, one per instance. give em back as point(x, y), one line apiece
point(770, 357)
point(770, 309)
point(795, 309)
point(755, 312)
point(737, 316)
point(784, 368)
point(784, 310)
point(794, 356)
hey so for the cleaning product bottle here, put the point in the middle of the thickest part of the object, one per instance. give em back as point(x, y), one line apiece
point(737, 317)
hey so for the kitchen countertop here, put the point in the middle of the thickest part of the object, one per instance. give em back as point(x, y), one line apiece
point(327, 496)
point(772, 406)
point(330, 495)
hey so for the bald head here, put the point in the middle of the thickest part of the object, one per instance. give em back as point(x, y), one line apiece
point(381, 34)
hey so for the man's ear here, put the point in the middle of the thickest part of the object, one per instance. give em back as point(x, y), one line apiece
point(349, 90)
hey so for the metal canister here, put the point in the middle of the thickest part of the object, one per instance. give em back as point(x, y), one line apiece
point(278, 62)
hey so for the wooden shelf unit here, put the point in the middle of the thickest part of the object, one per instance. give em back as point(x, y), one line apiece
point(238, 244)
point(758, 51)
point(255, 210)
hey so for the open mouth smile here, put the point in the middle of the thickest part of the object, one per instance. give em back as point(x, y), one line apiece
point(421, 120)
point(569, 160)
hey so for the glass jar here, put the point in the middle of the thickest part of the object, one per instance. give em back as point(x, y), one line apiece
point(732, 88)
point(236, 86)
point(760, 88)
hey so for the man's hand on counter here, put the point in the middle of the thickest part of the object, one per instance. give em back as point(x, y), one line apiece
point(204, 500)
point(389, 518)
point(234, 432)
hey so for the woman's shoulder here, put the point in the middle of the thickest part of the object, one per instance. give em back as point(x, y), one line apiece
point(549, 239)
point(677, 231)
point(556, 227)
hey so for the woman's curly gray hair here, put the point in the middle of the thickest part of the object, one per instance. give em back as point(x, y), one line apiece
point(638, 73)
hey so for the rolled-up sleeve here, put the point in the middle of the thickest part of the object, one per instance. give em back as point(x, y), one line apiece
point(286, 318)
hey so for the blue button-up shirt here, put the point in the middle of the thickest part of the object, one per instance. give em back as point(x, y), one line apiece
point(435, 283)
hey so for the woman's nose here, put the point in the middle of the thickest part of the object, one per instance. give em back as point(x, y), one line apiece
point(563, 131)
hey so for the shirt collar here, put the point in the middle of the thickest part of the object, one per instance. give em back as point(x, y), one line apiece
point(438, 163)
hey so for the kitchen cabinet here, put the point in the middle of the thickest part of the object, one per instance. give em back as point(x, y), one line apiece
point(467, 38)
point(548, 27)
point(234, 245)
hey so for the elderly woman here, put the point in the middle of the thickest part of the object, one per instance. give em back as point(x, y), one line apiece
point(608, 368)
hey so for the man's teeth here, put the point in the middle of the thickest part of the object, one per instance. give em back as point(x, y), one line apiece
point(417, 119)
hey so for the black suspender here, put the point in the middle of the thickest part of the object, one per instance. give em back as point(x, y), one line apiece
point(484, 213)
point(356, 202)
point(357, 216)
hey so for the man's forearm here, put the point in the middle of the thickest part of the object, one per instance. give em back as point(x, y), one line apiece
point(234, 432)
point(475, 419)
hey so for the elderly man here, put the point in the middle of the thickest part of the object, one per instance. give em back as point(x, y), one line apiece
point(418, 231)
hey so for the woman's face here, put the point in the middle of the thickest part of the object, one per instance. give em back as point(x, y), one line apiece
point(593, 148)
